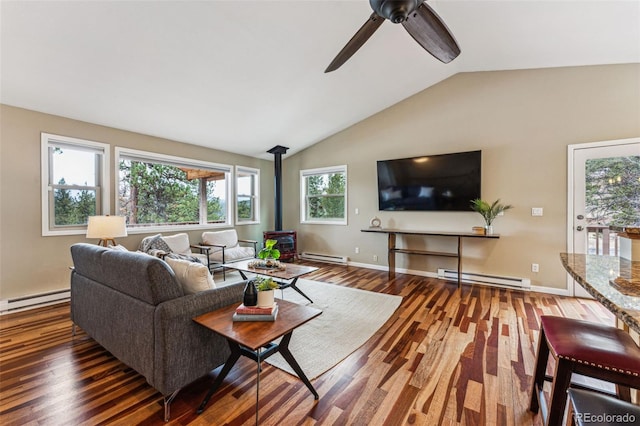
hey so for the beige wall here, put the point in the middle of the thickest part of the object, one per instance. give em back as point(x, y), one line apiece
point(521, 120)
point(32, 264)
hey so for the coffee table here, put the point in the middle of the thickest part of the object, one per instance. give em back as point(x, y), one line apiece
point(255, 340)
point(285, 278)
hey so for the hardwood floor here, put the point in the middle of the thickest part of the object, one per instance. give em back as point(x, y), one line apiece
point(446, 357)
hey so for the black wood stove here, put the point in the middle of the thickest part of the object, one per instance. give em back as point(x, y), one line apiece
point(286, 239)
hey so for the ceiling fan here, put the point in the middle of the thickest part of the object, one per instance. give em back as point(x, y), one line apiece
point(420, 21)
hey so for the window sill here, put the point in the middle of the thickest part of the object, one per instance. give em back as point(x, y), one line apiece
point(174, 228)
point(323, 222)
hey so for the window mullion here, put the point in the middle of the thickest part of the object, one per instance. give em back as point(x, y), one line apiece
point(203, 202)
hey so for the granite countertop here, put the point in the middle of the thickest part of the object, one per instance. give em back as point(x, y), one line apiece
point(595, 274)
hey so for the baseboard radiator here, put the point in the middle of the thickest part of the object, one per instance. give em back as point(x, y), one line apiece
point(494, 280)
point(35, 301)
point(320, 257)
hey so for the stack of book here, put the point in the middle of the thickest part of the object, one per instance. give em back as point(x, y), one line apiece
point(255, 313)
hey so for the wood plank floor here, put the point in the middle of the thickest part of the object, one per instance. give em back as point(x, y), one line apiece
point(446, 357)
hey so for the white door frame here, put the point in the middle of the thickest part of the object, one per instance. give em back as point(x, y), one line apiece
point(571, 149)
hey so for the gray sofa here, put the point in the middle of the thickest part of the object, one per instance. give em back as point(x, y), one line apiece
point(132, 305)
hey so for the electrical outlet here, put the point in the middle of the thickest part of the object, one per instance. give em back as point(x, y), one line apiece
point(537, 211)
point(357, 250)
point(535, 267)
point(375, 257)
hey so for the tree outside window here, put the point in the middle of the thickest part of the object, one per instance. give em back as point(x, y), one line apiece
point(324, 193)
point(156, 192)
point(72, 206)
point(612, 198)
point(613, 191)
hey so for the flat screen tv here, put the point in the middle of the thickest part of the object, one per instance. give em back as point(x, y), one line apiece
point(446, 182)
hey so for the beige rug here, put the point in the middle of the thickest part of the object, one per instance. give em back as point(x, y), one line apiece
point(349, 318)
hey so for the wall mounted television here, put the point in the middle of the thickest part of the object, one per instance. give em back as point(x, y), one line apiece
point(445, 182)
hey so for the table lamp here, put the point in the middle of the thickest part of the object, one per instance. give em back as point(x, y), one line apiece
point(106, 229)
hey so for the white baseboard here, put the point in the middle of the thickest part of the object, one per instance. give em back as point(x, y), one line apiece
point(501, 281)
point(18, 304)
point(550, 290)
point(537, 289)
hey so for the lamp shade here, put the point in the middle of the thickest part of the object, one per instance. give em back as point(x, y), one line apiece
point(106, 227)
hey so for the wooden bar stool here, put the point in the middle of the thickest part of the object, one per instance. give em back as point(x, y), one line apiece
point(585, 348)
point(594, 409)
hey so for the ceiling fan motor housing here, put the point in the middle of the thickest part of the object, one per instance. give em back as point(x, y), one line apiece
point(394, 10)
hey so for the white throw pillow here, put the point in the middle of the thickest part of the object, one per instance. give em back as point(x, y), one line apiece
point(179, 243)
point(194, 277)
point(227, 238)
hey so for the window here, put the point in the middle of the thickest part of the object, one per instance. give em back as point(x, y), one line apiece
point(74, 183)
point(247, 195)
point(324, 195)
point(167, 193)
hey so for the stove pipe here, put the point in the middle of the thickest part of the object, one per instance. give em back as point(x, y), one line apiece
point(277, 152)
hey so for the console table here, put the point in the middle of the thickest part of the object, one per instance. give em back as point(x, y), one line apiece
point(393, 249)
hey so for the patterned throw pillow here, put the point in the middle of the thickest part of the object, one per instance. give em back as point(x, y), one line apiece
point(154, 242)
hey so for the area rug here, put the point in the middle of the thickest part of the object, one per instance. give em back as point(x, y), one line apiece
point(349, 318)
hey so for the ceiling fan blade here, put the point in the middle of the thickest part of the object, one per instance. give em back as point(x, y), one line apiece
point(426, 27)
point(356, 42)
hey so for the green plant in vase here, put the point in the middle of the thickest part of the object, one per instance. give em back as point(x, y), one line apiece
point(489, 211)
point(265, 283)
point(269, 252)
point(266, 287)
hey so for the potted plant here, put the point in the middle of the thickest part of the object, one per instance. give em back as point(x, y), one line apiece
point(269, 252)
point(489, 211)
point(265, 287)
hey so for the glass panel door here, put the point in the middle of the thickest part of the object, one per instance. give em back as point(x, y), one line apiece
point(604, 190)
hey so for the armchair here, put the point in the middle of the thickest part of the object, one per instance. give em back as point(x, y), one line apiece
point(225, 247)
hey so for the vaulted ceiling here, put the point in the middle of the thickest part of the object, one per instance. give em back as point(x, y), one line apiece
point(243, 76)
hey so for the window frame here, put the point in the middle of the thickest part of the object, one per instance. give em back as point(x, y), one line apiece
point(303, 196)
point(175, 161)
point(256, 194)
point(48, 140)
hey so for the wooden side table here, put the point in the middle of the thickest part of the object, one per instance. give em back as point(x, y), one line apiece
point(254, 339)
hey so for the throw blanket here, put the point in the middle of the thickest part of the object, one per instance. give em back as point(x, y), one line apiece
point(156, 246)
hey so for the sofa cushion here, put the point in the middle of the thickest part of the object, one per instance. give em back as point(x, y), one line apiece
point(228, 238)
point(194, 277)
point(233, 255)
